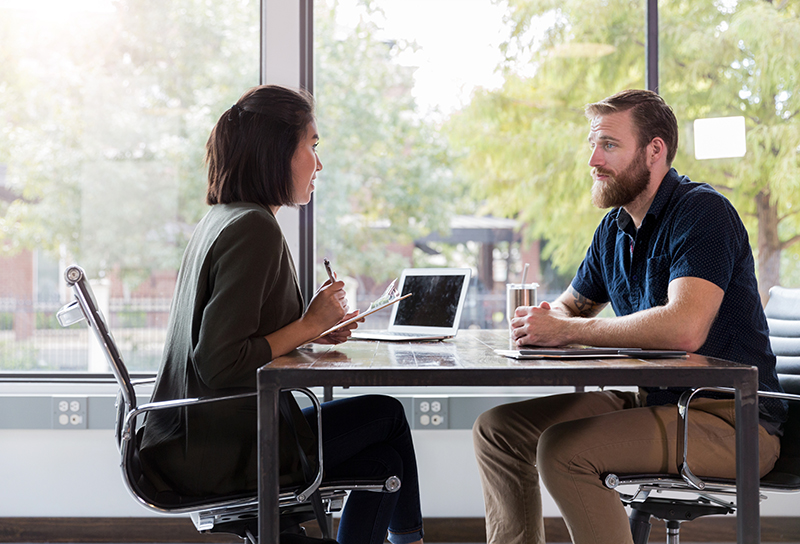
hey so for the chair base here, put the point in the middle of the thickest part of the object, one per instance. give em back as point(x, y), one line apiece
point(672, 511)
point(242, 521)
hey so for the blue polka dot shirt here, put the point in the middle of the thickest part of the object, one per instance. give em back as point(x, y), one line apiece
point(690, 230)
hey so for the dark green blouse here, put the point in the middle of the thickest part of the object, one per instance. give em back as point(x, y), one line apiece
point(237, 283)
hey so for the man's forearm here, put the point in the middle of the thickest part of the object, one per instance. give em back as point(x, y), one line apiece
point(682, 323)
point(574, 304)
point(656, 328)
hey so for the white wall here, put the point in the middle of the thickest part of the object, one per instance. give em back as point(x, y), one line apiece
point(76, 474)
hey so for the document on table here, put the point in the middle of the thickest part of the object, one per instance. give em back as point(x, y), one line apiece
point(362, 316)
point(586, 352)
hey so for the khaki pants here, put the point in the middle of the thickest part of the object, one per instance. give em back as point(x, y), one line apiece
point(572, 439)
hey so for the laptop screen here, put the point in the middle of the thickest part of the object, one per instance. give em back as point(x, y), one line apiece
point(434, 303)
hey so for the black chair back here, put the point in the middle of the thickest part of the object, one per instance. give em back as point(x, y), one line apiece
point(783, 316)
point(235, 513)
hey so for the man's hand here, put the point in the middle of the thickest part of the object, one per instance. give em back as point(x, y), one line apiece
point(682, 323)
point(539, 326)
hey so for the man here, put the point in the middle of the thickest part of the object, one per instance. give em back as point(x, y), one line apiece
point(673, 259)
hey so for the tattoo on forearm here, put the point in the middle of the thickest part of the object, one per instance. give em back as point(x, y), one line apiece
point(584, 306)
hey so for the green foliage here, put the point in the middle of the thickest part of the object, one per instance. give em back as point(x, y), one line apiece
point(386, 177)
point(46, 320)
point(19, 356)
point(6, 321)
point(131, 319)
point(103, 122)
point(523, 144)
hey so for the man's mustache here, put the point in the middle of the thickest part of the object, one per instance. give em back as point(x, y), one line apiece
point(603, 171)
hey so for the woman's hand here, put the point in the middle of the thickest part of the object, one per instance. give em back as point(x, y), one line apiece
point(327, 308)
point(341, 335)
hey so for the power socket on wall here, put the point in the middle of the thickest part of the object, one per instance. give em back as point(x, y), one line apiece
point(69, 412)
point(431, 413)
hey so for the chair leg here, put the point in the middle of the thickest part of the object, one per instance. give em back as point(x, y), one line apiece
point(673, 531)
point(640, 526)
point(325, 522)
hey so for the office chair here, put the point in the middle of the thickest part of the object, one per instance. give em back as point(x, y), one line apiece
point(716, 495)
point(236, 513)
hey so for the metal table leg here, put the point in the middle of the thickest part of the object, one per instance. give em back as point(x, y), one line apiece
point(268, 465)
point(747, 477)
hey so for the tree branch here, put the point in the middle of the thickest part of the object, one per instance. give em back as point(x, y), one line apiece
point(722, 188)
point(791, 241)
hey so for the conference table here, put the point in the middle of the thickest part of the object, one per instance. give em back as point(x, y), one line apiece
point(469, 359)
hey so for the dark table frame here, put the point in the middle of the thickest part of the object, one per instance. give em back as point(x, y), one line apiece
point(469, 360)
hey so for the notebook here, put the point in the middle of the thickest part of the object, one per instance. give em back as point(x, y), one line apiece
point(432, 312)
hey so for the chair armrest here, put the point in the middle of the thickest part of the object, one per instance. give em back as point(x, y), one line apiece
point(130, 420)
point(683, 427)
point(303, 495)
point(131, 416)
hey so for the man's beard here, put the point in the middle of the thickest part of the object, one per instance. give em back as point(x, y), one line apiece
point(623, 188)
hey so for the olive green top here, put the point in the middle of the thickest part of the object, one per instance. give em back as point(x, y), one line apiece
point(237, 283)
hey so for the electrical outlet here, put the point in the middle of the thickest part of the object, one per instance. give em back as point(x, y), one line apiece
point(69, 412)
point(430, 413)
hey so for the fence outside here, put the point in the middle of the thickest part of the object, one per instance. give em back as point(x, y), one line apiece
point(32, 340)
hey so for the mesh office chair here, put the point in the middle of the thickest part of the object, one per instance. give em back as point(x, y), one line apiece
point(713, 495)
point(237, 513)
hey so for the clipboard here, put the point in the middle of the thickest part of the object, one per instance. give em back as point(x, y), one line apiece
point(360, 316)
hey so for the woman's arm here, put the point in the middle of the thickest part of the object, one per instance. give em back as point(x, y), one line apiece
point(327, 308)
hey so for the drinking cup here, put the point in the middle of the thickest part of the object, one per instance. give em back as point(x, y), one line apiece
point(519, 294)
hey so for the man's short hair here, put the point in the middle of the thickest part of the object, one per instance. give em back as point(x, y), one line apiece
point(652, 117)
point(250, 149)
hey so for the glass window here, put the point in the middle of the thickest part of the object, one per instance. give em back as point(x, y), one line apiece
point(105, 107)
point(733, 64)
point(457, 138)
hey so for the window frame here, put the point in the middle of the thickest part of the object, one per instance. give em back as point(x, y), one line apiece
point(306, 250)
point(287, 58)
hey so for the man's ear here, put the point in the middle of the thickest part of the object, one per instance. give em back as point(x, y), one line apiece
point(656, 151)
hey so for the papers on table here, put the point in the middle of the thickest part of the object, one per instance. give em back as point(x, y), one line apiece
point(362, 316)
point(587, 352)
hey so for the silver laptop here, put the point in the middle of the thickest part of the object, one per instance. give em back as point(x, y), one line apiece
point(433, 312)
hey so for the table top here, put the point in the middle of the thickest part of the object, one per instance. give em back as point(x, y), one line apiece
point(469, 360)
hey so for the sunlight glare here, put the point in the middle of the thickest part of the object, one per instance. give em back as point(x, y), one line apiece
point(51, 7)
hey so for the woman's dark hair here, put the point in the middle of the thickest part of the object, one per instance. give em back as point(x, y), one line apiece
point(250, 149)
point(652, 117)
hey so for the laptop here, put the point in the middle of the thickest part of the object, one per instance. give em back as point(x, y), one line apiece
point(433, 312)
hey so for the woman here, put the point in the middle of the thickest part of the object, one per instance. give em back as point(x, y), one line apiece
point(237, 305)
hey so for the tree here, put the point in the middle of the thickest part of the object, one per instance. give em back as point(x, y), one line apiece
point(386, 178)
point(525, 144)
point(750, 68)
point(105, 119)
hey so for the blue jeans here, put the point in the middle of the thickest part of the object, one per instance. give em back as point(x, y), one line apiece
point(368, 437)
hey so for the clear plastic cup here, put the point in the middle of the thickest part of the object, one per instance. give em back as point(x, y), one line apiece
point(519, 294)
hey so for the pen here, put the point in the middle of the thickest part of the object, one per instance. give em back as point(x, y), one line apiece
point(327, 264)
